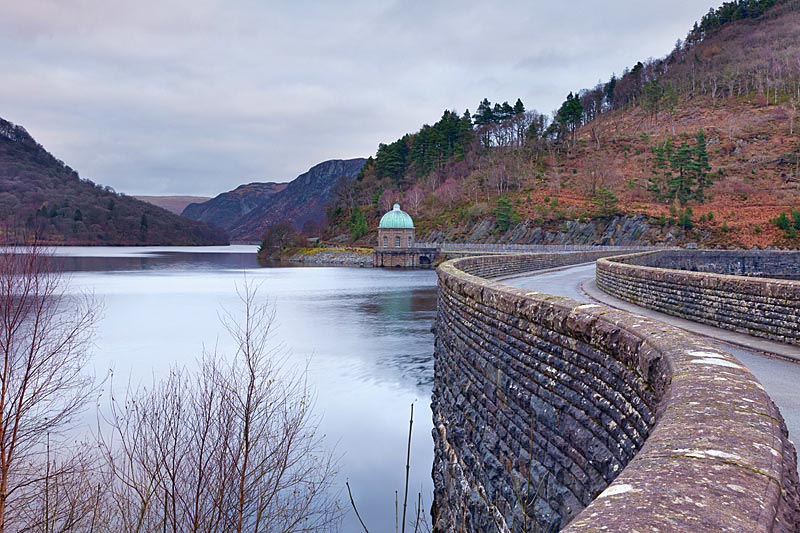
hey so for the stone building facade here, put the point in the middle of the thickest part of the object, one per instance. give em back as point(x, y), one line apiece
point(396, 245)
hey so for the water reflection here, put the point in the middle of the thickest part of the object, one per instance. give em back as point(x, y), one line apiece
point(398, 317)
point(120, 259)
point(364, 333)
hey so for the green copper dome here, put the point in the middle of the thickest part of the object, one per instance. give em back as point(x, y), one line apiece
point(396, 219)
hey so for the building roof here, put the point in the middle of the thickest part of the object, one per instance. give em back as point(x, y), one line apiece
point(396, 219)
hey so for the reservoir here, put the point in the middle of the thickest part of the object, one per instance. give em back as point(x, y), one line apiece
point(363, 334)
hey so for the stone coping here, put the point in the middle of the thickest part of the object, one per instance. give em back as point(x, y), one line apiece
point(763, 307)
point(748, 285)
point(781, 264)
point(718, 457)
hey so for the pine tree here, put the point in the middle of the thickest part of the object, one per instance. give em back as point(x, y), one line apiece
point(358, 224)
point(519, 107)
point(660, 182)
point(608, 89)
point(570, 115)
point(652, 94)
point(505, 215)
point(605, 202)
point(681, 174)
point(682, 182)
point(700, 167)
point(483, 117)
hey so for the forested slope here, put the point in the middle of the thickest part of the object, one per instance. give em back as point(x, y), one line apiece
point(42, 197)
point(225, 209)
point(300, 205)
point(701, 145)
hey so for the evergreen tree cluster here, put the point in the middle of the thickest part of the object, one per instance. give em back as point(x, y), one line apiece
point(789, 225)
point(729, 12)
point(497, 113)
point(424, 151)
point(681, 173)
point(743, 62)
point(505, 216)
point(605, 202)
point(570, 115)
point(504, 125)
point(357, 224)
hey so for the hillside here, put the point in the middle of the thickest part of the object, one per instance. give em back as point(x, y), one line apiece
point(40, 195)
point(173, 204)
point(225, 209)
point(699, 146)
point(248, 211)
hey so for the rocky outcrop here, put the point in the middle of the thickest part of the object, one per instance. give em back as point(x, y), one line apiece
point(249, 210)
point(635, 230)
point(551, 413)
point(227, 208)
point(617, 231)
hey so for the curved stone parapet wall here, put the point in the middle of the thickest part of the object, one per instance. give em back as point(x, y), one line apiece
point(696, 285)
point(493, 266)
point(757, 263)
point(549, 412)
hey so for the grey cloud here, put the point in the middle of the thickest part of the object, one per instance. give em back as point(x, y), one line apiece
point(198, 96)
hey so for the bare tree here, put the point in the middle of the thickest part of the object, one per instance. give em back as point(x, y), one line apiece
point(414, 198)
point(44, 340)
point(69, 497)
point(232, 447)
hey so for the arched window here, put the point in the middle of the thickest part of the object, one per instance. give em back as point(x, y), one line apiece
point(385, 241)
point(409, 241)
point(397, 242)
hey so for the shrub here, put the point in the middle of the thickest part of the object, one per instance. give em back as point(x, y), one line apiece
point(505, 215)
point(782, 221)
point(605, 202)
point(685, 219)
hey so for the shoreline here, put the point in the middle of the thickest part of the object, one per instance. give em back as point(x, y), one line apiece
point(354, 257)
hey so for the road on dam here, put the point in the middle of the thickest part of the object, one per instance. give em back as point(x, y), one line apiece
point(780, 377)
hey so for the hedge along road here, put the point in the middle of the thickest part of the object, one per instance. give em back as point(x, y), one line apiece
point(768, 361)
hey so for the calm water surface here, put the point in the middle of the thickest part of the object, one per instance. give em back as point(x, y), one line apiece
point(364, 332)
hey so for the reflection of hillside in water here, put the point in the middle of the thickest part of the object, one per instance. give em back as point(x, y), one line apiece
point(401, 323)
point(157, 261)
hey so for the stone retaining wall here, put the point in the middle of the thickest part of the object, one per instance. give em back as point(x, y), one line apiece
point(768, 308)
point(752, 263)
point(549, 412)
point(491, 266)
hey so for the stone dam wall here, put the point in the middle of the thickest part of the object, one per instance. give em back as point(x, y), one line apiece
point(713, 287)
point(489, 266)
point(552, 414)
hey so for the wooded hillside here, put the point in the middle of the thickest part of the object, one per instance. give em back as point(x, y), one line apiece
point(701, 145)
point(41, 196)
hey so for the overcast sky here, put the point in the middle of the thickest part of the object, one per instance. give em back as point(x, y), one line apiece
point(199, 96)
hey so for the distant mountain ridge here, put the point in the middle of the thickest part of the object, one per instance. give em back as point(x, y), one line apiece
point(225, 209)
point(41, 196)
point(247, 211)
point(175, 204)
